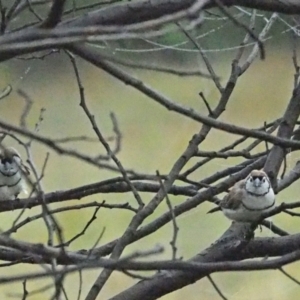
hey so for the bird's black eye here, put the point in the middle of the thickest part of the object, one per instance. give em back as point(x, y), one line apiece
point(251, 179)
point(264, 179)
point(6, 160)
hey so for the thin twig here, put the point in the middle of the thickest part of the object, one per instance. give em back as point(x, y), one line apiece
point(248, 30)
point(289, 276)
point(99, 134)
point(209, 67)
point(274, 228)
point(25, 292)
point(218, 290)
point(206, 104)
point(80, 285)
point(135, 276)
point(92, 219)
point(291, 213)
point(175, 226)
point(26, 221)
point(27, 107)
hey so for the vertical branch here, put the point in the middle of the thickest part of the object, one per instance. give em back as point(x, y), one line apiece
point(285, 130)
point(25, 292)
point(54, 15)
point(295, 60)
point(27, 107)
point(175, 226)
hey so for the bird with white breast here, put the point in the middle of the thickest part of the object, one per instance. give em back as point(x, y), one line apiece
point(12, 174)
point(248, 198)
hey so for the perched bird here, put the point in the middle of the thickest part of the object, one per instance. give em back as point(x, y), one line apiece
point(12, 174)
point(248, 198)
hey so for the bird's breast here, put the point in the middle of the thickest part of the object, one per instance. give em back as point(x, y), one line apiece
point(10, 175)
point(259, 202)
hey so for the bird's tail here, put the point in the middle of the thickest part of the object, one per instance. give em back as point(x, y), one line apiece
point(218, 208)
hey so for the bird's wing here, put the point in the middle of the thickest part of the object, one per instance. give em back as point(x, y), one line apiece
point(234, 198)
point(215, 209)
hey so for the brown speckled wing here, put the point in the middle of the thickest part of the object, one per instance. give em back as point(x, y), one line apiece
point(233, 199)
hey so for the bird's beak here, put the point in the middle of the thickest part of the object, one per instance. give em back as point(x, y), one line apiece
point(257, 182)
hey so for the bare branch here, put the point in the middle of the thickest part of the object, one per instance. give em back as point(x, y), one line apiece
point(27, 108)
point(216, 288)
point(101, 138)
point(175, 226)
point(246, 28)
point(209, 67)
point(54, 15)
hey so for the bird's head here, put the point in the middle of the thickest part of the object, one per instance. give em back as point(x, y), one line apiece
point(257, 183)
point(10, 159)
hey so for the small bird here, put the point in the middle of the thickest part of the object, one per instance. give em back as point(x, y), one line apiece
point(12, 174)
point(248, 198)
